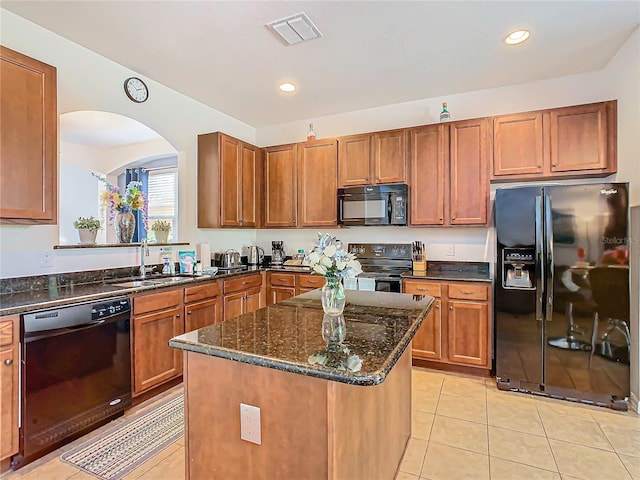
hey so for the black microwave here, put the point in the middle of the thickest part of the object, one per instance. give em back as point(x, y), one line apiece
point(373, 205)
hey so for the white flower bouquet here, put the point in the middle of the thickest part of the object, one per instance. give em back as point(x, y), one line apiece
point(329, 258)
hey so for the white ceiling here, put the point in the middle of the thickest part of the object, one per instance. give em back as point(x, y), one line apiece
point(372, 52)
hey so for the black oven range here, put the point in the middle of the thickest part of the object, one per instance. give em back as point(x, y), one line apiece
point(384, 262)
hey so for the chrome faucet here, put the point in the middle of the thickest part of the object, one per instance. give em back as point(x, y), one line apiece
point(144, 252)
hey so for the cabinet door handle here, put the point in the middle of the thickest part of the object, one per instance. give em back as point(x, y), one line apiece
point(189, 312)
point(465, 292)
point(8, 362)
point(422, 289)
point(438, 307)
point(555, 164)
point(450, 308)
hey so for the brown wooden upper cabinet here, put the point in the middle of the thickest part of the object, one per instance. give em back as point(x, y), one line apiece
point(280, 186)
point(372, 158)
point(577, 141)
point(317, 183)
point(28, 140)
point(230, 174)
point(449, 180)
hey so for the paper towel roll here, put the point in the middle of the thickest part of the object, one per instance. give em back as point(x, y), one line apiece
point(203, 253)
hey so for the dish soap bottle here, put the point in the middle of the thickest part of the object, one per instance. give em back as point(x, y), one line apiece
point(311, 134)
point(445, 116)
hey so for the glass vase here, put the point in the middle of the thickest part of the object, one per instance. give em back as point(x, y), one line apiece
point(333, 331)
point(333, 296)
point(125, 225)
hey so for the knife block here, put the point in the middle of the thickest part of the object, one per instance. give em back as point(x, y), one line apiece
point(419, 265)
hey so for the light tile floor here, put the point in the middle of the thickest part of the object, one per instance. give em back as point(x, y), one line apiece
point(463, 429)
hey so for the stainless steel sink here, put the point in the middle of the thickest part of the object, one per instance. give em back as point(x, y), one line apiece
point(170, 279)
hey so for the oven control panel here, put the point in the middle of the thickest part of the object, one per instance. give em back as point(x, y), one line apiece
point(400, 251)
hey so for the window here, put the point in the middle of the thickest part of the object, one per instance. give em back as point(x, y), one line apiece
point(163, 201)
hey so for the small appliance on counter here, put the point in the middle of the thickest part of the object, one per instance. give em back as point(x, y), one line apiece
point(255, 255)
point(277, 252)
point(228, 260)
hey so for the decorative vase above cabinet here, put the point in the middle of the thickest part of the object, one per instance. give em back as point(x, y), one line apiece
point(28, 142)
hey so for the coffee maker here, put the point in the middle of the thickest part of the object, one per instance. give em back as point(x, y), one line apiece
point(277, 252)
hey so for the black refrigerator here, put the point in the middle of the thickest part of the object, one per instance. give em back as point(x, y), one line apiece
point(562, 292)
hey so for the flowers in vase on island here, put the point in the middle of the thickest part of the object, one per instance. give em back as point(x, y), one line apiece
point(329, 258)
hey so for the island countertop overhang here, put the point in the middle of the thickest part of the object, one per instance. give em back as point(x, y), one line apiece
point(379, 327)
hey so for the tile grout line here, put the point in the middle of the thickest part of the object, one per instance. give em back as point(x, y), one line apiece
point(431, 429)
point(555, 460)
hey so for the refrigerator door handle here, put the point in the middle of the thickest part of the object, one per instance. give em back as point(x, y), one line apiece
point(548, 238)
point(540, 276)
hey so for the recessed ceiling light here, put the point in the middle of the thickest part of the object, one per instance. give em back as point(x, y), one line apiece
point(287, 87)
point(516, 37)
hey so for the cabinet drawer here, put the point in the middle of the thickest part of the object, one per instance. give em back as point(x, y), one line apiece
point(467, 291)
point(242, 283)
point(419, 287)
point(310, 281)
point(200, 292)
point(157, 301)
point(283, 280)
point(6, 333)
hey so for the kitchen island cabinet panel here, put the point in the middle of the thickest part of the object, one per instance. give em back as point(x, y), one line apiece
point(9, 384)
point(317, 188)
point(281, 198)
point(359, 419)
point(28, 140)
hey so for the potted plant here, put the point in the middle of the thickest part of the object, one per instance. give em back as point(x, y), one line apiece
point(161, 228)
point(87, 229)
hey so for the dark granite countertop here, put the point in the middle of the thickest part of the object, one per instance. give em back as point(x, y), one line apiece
point(288, 336)
point(453, 271)
point(68, 292)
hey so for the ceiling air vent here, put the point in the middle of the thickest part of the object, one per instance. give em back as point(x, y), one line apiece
point(295, 29)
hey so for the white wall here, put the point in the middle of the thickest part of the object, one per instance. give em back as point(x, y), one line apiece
point(88, 81)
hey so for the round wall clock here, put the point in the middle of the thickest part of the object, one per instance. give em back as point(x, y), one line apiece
point(136, 89)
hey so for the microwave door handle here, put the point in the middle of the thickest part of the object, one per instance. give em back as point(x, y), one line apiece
point(389, 210)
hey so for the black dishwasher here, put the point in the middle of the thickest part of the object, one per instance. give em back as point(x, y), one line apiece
point(76, 366)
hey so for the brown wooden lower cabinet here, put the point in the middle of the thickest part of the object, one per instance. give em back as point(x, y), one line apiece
point(457, 331)
point(202, 306)
point(160, 316)
point(242, 295)
point(287, 285)
point(203, 313)
point(154, 362)
point(9, 384)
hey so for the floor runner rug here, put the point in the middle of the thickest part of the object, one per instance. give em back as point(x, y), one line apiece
point(123, 448)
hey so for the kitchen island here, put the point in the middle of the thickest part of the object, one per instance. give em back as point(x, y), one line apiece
point(327, 411)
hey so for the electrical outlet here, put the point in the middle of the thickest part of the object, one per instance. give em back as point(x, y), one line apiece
point(451, 250)
point(250, 424)
point(46, 259)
